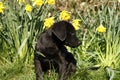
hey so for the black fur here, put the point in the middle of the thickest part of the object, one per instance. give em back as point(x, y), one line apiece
point(51, 44)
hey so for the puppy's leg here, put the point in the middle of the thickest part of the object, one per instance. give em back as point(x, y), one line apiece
point(62, 71)
point(60, 59)
point(38, 68)
point(71, 66)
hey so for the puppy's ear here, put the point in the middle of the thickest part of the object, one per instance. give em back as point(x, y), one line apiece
point(59, 30)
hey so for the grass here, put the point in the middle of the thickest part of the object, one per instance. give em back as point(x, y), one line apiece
point(97, 57)
point(19, 71)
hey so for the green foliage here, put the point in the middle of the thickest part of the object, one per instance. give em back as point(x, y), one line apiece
point(20, 29)
point(13, 71)
point(102, 48)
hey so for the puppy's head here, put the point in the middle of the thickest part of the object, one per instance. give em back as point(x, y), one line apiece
point(65, 32)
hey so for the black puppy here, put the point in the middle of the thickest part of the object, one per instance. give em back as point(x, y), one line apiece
point(51, 44)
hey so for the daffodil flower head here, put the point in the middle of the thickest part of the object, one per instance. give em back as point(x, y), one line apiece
point(2, 8)
point(28, 8)
point(101, 29)
point(64, 15)
point(48, 22)
point(38, 3)
point(50, 2)
point(76, 24)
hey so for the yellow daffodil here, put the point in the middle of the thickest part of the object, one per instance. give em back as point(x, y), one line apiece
point(21, 1)
point(101, 28)
point(1, 8)
point(64, 15)
point(48, 22)
point(51, 2)
point(38, 3)
point(76, 24)
point(28, 8)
